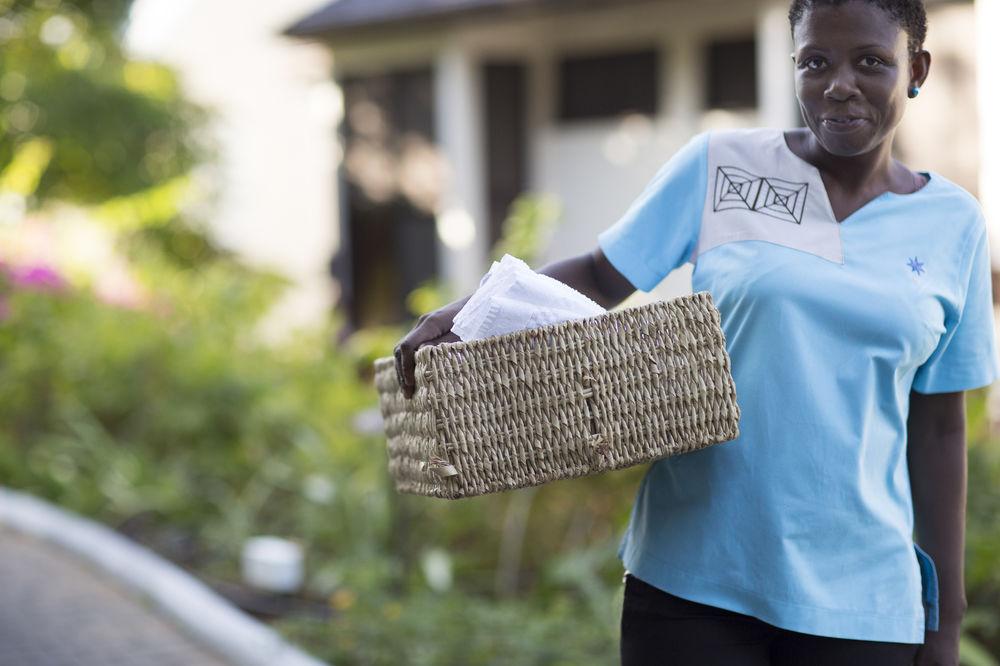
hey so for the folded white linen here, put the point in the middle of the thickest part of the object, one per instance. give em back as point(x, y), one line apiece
point(512, 297)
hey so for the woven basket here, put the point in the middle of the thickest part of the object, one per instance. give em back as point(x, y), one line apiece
point(560, 401)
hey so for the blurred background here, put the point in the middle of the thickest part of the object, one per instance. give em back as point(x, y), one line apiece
point(215, 215)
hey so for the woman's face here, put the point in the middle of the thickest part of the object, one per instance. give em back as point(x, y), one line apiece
point(852, 75)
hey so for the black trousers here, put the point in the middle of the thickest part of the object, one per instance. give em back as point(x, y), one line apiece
point(660, 629)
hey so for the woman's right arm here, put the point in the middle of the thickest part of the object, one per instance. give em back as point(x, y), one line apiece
point(591, 274)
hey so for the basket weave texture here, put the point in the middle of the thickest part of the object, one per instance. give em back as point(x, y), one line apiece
point(560, 401)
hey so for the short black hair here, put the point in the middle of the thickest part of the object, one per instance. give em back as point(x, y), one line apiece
point(909, 14)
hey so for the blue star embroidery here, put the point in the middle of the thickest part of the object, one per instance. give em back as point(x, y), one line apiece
point(916, 266)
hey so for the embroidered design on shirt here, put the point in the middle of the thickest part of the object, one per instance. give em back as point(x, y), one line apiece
point(774, 197)
point(916, 266)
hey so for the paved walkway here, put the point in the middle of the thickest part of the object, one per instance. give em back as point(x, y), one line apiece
point(55, 611)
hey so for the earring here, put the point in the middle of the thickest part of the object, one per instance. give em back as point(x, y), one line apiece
point(914, 91)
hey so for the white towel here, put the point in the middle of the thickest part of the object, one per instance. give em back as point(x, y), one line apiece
point(512, 297)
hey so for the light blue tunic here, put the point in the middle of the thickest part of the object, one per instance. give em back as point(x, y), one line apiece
point(805, 521)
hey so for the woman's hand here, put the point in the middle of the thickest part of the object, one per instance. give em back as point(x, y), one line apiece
point(432, 328)
point(940, 648)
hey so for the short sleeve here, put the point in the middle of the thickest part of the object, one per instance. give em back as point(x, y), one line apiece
point(659, 231)
point(966, 355)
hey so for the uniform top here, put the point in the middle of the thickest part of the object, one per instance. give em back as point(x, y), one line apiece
point(805, 521)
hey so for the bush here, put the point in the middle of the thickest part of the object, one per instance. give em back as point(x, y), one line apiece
point(174, 423)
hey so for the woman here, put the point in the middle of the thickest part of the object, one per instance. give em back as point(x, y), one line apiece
point(855, 299)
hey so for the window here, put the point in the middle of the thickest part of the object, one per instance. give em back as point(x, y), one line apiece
point(732, 74)
point(388, 236)
point(608, 85)
point(506, 111)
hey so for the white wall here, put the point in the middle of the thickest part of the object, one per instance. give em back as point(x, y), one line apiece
point(276, 119)
point(940, 129)
point(987, 20)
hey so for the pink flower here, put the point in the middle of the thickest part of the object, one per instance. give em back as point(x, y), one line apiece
point(42, 278)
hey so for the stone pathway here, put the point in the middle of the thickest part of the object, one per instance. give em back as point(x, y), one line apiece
point(56, 611)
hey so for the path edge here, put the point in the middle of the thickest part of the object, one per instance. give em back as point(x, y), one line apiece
point(188, 602)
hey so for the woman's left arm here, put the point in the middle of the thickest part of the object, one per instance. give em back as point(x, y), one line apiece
point(936, 456)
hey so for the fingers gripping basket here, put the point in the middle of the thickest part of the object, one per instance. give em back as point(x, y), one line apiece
point(560, 401)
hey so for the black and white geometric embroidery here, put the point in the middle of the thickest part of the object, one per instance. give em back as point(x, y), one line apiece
point(783, 199)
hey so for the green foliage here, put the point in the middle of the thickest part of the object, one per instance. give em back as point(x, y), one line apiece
point(115, 127)
point(27, 164)
point(981, 628)
point(529, 222)
point(105, 15)
point(457, 629)
point(973, 651)
point(428, 297)
point(172, 411)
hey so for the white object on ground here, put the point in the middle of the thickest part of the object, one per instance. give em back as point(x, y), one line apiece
point(272, 563)
point(512, 297)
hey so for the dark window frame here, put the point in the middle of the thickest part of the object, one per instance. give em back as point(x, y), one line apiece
point(629, 78)
point(386, 248)
point(725, 88)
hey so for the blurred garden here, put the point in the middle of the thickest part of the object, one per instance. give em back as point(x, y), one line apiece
point(135, 388)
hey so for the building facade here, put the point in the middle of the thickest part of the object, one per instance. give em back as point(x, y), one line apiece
point(371, 145)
